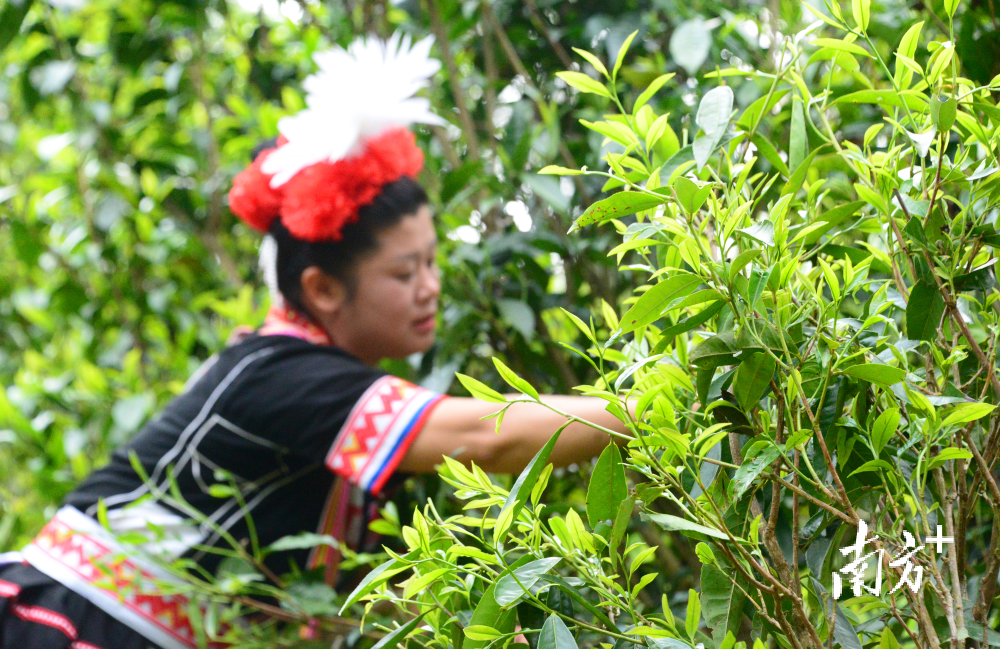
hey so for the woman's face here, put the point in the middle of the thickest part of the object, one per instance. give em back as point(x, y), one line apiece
point(392, 312)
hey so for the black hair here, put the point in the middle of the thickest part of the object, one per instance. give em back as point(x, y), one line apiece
point(397, 199)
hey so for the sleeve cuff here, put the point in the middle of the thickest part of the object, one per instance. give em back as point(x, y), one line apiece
point(379, 431)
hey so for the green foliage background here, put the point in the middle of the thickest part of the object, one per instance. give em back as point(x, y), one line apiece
point(122, 125)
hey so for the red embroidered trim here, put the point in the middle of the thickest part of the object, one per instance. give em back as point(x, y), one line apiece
point(284, 321)
point(80, 644)
point(88, 558)
point(7, 589)
point(45, 616)
point(379, 431)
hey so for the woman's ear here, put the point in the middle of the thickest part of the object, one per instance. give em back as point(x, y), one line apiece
point(322, 293)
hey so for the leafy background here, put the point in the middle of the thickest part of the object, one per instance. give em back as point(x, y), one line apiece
point(122, 125)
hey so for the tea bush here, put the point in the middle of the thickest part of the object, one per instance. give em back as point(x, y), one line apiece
point(808, 372)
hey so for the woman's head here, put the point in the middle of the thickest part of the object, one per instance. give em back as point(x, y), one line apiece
point(375, 290)
point(348, 182)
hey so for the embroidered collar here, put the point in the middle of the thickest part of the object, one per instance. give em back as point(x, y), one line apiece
point(284, 321)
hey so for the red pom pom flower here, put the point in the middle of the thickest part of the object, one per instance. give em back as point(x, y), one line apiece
point(252, 198)
point(337, 154)
point(322, 198)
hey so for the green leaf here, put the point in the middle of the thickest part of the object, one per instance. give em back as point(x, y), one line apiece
point(575, 595)
point(798, 176)
point(862, 12)
point(832, 218)
point(651, 90)
point(843, 631)
point(947, 454)
point(722, 598)
point(633, 245)
point(583, 83)
point(944, 113)
point(884, 98)
point(907, 48)
point(490, 614)
point(914, 228)
point(762, 232)
point(742, 260)
point(622, 518)
point(690, 194)
point(770, 154)
point(981, 278)
point(372, 580)
point(692, 620)
point(714, 351)
point(473, 553)
point(753, 379)
point(418, 584)
point(750, 469)
point(617, 206)
point(607, 487)
point(685, 324)
point(831, 280)
point(984, 634)
point(676, 524)
point(759, 279)
point(798, 145)
point(11, 17)
point(514, 380)
point(481, 632)
point(656, 131)
point(555, 635)
point(509, 591)
point(621, 53)
point(593, 60)
point(873, 465)
point(556, 170)
point(521, 490)
point(714, 113)
point(950, 6)
point(841, 46)
point(652, 303)
point(704, 553)
point(884, 428)
point(479, 390)
point(924, 311)
point(302, 542)
point(883, 375)
point(963, 413)
point(690, 44)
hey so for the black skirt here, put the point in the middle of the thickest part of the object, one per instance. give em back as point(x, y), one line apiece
point(37, 612)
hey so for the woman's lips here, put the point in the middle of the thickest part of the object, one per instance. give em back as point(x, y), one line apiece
point(425, 325)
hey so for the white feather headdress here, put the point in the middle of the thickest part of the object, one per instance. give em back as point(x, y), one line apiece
point(357, 94)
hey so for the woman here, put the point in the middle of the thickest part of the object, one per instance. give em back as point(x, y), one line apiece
point(293, 427)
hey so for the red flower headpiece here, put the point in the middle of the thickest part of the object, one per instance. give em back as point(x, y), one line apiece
point(337, 154)
point(322, 198)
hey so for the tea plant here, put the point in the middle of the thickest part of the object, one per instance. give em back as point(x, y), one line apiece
point(810, 362)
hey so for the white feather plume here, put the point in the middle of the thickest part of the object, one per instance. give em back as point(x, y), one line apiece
point(269, 268)
point(357, 94)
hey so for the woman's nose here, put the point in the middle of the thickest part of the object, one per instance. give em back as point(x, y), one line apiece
point(430, 287)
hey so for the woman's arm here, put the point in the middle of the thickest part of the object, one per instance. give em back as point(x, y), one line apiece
point(456, 428)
